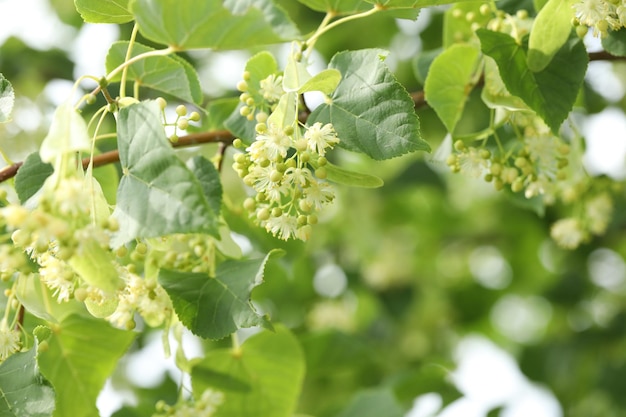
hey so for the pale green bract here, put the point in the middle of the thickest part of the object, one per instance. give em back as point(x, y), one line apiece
point(7, 99)
point(68, 134)
point(550, 31)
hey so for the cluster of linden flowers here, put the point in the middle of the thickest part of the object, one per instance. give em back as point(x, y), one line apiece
point(205, 406)
point(60, 230)
point(278, 167)
point(600, 16)
point(286, 167)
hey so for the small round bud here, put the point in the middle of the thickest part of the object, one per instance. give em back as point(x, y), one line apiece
point(161, 102)
point(245, 111)
point(289, 130)
point(459, 146)
point(457, 13)
point(276, 176)
point(242, 86)
point(321, 161)
point(244, 97)
point(246, 75)
point(250, 117)
point(249, 204)
point(470, 16)
point(522, 14)
point(182, 123)
point(174, 138)
point(250, 102)
point(302, 219)
point(321, 173)
point(488, 177)
point(484, 153)
point(263, 214)
point(277, 212)
point(496, 169)
point(91, 99)
point(581, 31)
point(80, 294)
point(485, 9)
point(141, 248)
point(238, 143)
point(260, 128)
point(130, 324)
point(281, 167)
point(521, 162)
point(181, 110)
point(517, 185)
point(311, 219)
point(452, 160)
point(261, 117)
point(121, 252)
point(194, 116)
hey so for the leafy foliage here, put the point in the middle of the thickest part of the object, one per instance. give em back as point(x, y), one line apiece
point(135, 213)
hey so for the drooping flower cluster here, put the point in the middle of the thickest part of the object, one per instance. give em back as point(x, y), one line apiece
point(601, 15)
point(286, 169)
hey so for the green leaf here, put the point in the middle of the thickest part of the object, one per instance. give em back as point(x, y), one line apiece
point(214, 307)
point(217, 112)
point(158, 194)
point(494, 93)
point(216, 24)
point(373, 403)
point(338, 7)
point(209, 179)
point(67, 134)
point(614, 44)
point(551, 93)
point(449, 82)
point(370, 110)
point(94, 264)
point(104, 11)
point(549, 32)
point(7, 99)
point(39, 301)
point(82, 353)
point(169, 74)
point(31, 176)
point(23, 390)
point(351, 178)
point(262, 379)
point(295, 75)
point(325, 81)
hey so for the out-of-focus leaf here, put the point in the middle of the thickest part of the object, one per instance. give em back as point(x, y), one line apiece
point(7, 99)
point(104, 11)
point(31, 176)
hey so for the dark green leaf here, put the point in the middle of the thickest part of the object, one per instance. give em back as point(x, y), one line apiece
point(23, 390)
point(158, 194)
point(104, 11)
point(262, 379)
point(338, 7)
point(214, 307)
point(209, 178)
point(216, 24)
point(82, 353)
point(614, 43)
point(218, 111)
point(371, 112)
point(373, 403)
point(31, 176)
point(551, 93)
point(7, 99)
point(169, 74)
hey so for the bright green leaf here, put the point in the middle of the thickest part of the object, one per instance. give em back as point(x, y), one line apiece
point(262, 379)
point(217, 112)
point(549, 32)
point(338, 7)
point(216, 24)
point(67, 134)
point(158, 194)
point(449, 82)
point(214, 307)
point(82, 353)
point(94, 264)
point(373, 403)
point(168, 74)
point(351, 178)
point(370, 110)
point(23, 390)
point(31, 176)
point(39, 300)
point(7, 99)
point(325, 81)
point(295, 75)
point(614, 44)
point(551, 93)
point(104, 11)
